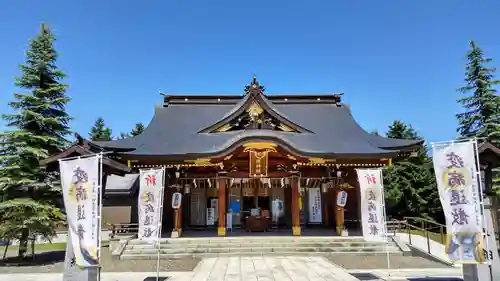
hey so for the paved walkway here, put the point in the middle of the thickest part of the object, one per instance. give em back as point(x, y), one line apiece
point(420, 242)
point(269, 269)
point(255, 269)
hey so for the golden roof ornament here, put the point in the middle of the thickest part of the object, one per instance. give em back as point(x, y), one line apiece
point(254, 86)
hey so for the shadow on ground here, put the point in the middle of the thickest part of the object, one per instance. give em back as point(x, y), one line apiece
point(45, 258)
point(153, 278)
point(365, 276)
point(436, 279)
point(369, 276)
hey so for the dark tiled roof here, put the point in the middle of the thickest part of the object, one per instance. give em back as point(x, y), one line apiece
point(125, 184)
point(174, 131)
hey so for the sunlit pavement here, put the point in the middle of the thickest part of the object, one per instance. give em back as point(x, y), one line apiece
point(265, 269)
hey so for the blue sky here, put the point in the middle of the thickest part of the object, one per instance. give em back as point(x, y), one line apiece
point(397, 59)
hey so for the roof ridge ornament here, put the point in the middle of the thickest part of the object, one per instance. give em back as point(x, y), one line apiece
point(255, 87)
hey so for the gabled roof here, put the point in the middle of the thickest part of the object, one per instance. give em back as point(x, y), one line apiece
point(83, 147)
point(181, 128)
point(489, 154)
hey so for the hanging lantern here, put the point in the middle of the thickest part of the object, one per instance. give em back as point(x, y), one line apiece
point(187, 189)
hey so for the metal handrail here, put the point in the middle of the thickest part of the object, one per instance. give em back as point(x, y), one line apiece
point(429, 229)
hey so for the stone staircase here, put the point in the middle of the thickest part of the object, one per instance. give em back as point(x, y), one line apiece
point(251, 246)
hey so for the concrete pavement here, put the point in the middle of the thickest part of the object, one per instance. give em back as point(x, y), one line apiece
point(257, 269)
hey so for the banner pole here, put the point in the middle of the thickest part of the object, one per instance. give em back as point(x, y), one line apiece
point(481, 204)
point(99, 225)
point(160, 209)
point(382, 193)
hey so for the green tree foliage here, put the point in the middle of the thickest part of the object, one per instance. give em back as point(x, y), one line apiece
point(123, 136)
point(38, 128)
point(482, 107)
point(410, 185)
point(99, 132)
point(481, 102)
point(139, 128)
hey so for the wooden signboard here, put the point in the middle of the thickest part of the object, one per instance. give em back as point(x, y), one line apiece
point(258, 164)
point(176, 200)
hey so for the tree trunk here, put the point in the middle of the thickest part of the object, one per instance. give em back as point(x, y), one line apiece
point(6, 249)
point(23, 244)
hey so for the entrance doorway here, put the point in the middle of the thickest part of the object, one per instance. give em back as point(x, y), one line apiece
point(257, 198)
point(252, 199)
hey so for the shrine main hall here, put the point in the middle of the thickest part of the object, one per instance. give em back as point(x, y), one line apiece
point(232, 157)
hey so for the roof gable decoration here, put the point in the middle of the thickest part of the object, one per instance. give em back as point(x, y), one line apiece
point(254, 112)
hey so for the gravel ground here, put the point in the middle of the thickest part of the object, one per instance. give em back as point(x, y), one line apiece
point(380, 262)
point(52, 262)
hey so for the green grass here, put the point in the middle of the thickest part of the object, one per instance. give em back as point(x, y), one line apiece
point(43, 247)
point(46, 247)
point(432, 235)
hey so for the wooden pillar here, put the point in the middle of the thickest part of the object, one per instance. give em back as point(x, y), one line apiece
point(325, 199)
point(339, 213)
point(295, 206)
point(179, 221)
point(221, 182)
point(178, 218)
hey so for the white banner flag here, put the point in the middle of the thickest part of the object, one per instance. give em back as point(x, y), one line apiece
point(150, 203)
point(315, 214)
point(81, 192)
point(458, 185)
point(373, 219)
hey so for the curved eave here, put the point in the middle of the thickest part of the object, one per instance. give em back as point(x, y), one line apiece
point(240, 108)
point(278, 141)
point(408, 146)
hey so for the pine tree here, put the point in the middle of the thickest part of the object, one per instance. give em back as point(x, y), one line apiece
point(38, 128)
point(482, 115)
point(409, 183)
point(99, 132)
point(139, 128)
point(399, 130)
point(123, 136)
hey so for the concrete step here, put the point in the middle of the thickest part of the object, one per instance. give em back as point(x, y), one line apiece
point(225, 240)
point(259, 249)
point(260, 244)
point(209, 255)
point(238, 246)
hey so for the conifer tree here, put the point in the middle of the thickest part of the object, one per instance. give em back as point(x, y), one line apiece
point(482, 105)
point(36, 129)
point(139, 128)
point(410, 185)
point(123, 135)
point(99, 132)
